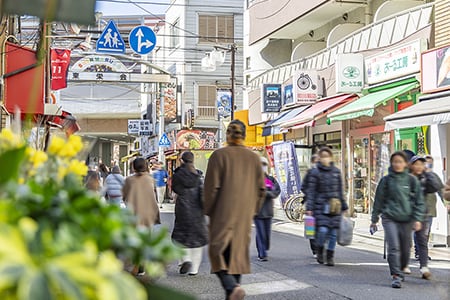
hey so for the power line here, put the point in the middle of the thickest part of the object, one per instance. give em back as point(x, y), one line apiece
point(168, 4)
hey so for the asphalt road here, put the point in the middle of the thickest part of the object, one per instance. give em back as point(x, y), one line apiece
point(292, 273)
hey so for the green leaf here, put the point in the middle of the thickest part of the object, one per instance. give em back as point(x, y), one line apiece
point(9, 275)
point(65, 284)
point(10, 160)
point(34, 286)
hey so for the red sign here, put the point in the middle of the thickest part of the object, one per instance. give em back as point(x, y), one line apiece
point(24, 80)
point(60, 61)
point(195, 139)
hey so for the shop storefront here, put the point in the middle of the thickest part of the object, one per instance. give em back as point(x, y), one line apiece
point(369, 144)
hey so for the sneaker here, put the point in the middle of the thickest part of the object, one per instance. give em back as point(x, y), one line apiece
point(315, 256)
point(263, 258)
point(406, 270)
point(185, 267)
point(426, 274)
point(396, 282)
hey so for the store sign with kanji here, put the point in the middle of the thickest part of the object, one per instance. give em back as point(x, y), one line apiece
point(271, 98)
point(140, 127)
point(349, 73)
point(305, 83)
point(395, 63)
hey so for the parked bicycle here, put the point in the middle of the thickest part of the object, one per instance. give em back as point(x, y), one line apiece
point(294, 208)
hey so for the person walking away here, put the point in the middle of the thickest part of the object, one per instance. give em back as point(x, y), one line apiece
point(430, 185)
point(114, 184)
point(325, 201)
point(263, 220)
point(446, 195)
point(314, 161)
point(104, 172)
point(234, 192)
point(190, 229)
point(138, 195)
point(399, 201)
point(160, 175)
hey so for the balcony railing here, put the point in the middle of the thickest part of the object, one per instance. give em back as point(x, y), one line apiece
point(206, 112)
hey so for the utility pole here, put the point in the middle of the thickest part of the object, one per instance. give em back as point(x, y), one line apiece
point(161, 121)
point(233, 69)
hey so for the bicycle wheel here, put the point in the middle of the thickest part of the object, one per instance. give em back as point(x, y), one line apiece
point(294, 209)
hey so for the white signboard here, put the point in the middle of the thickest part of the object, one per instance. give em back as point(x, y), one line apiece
point(133, 126)
point(349, 73)
point(145, 146)
point(398, 62)
point(305, 84)
point(145, 127)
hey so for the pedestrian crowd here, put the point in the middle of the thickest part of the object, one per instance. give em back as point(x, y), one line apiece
point(218, 209)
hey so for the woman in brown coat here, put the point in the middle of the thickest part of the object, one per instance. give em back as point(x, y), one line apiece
point(447, 195)
point(139, 196)
point(234, 192)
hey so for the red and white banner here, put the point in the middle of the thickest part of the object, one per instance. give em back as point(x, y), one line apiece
point(60, 62)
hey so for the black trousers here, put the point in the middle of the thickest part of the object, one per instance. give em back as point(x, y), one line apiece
point(229, 282)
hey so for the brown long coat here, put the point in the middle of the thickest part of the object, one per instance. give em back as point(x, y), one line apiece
point(447, 191)
point(139, 195)
point(233, 193)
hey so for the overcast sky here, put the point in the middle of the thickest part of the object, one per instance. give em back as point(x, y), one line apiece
point(123, 7)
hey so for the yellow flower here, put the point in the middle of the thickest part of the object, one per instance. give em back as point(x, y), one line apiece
point(76, 143)
point(77, 167)
point(36, 157)
point(8, 138)
point(56, 145)
point(67, 151)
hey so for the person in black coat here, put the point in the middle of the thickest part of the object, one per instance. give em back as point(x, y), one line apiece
point(314, 161)
point(263, 220)
point(190, 229)
point(325, 201)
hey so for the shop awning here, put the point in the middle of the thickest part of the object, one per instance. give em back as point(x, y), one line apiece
point(425, 113)
point(273, 126)
point(307, 117)
point(365, 106)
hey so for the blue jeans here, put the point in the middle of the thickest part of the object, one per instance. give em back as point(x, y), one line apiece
point(263, 230)
point(421, 241)
point(327, 234)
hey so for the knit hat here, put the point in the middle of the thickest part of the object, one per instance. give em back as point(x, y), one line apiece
point(188, 157)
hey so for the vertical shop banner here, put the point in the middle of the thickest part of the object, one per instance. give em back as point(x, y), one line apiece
point(170, 102)
point(288, 95)
point(271, 98)
point(224, 103)
point(60, 62)
point(305, 84)
point(286, 169)
point(269, 151)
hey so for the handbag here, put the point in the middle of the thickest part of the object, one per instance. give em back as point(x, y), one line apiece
point(345, 233)
point(310, 227)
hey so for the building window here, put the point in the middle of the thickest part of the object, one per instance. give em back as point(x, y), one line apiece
point(175, 34)
point(247, 80)
point(206, 108)
point(216, 29)
point(247, 63)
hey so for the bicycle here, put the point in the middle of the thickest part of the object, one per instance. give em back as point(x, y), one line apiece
point(294, 209)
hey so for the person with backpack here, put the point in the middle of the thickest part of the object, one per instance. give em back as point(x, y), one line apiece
point(325, 202)
point(304, 187)
point(399, 201)
point(190, 230)
point(430, 185)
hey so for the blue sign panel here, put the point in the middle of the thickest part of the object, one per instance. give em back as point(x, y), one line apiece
point(164, 141)
point(142, 40)
point(110, 41)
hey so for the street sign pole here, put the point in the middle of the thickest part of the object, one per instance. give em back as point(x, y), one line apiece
point(161, 121)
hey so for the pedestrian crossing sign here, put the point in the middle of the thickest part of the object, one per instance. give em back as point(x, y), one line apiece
point(164, 141)
point(110, 41)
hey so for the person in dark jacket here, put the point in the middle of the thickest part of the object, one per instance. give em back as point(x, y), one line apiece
point(263, 220)
point(325, 201)
point(399, 200)
point(190, 229)
point(314, 161)
point(430, 184)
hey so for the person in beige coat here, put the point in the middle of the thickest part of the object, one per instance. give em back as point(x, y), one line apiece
point(447, 195)
point(139, 196)
point(234, 192)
